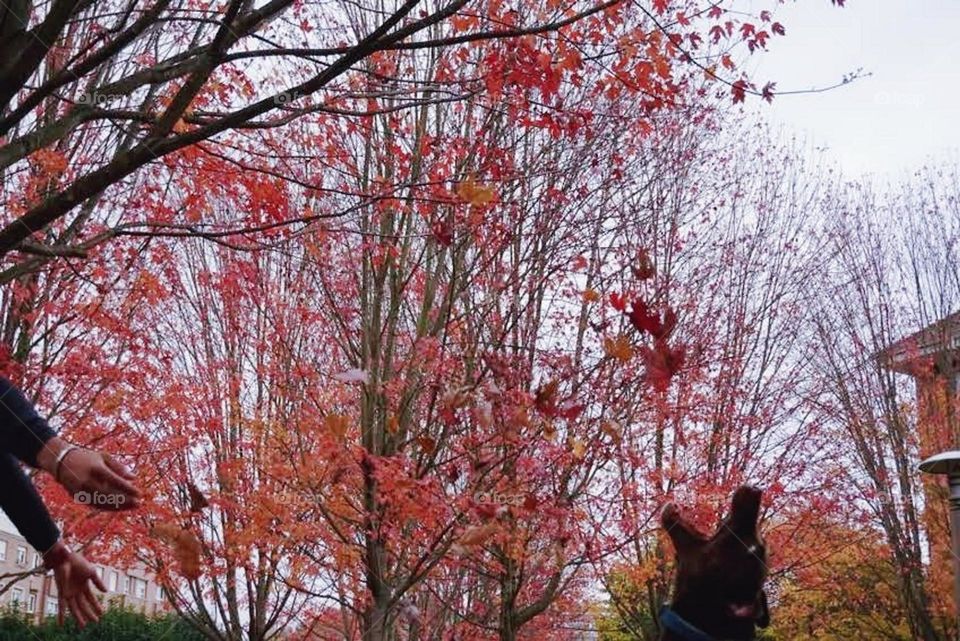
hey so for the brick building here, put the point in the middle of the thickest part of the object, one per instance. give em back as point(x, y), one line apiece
point(36, 593)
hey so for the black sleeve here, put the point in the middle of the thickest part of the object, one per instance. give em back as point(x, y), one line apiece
point(20, 500)
point(22, 431)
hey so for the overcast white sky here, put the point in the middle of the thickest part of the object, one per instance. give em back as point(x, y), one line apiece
point(903, 115)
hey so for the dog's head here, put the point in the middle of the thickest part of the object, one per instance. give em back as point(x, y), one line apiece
point(719, 583)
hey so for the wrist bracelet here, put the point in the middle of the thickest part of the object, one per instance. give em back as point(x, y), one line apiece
point(55, 555)
point(59, 461)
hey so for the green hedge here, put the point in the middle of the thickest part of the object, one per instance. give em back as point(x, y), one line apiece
point(116, 625)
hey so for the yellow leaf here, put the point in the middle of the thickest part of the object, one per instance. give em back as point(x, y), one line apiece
point(590, 295)
point(578, 448)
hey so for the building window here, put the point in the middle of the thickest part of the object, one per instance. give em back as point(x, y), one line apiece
point(36, 560)
point(51, 608)
point(16, 599)
point(100, 572)
point(141, 588)
point(21, 555)
point(113, 581)
point(32, 603)
point(160, 594)
point(3, 550)
point(126, 585)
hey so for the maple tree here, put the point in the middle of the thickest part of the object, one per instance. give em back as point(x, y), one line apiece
point(99, 99)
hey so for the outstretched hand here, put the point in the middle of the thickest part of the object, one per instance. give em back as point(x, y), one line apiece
point(92, 478)
point(75, 578)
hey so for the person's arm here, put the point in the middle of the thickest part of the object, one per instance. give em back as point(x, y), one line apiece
point(74, 575)
point(104, 482)
point(22, 503)
point(23, 432)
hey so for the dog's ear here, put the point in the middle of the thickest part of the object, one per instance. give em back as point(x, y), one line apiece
point(684, 535)
point(745, 509)
point(763, 612)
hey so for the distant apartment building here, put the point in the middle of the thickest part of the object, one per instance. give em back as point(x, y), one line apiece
point(35, 594)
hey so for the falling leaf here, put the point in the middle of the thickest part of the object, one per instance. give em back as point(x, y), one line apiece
point(643, 268)
point(663, 362)
point(186, 547)
point(643, 319)
point(618, 348)
point(571, 412)
point(197, 500)
point(612, 429)
point(550, 431)
point(443, 232)
point(427, 444)
point(337, 424)
point(618, 302)
point(477, 534)
point(483, 412)
point(577, 448)
point(590, 295)
point(475, 194)
point(393, 424)
point(768, 90)
point(546, 398)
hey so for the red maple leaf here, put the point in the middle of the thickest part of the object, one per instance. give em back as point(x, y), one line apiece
point(739, 90)
point(443, 232)
point(618, 302)
point(643, 319)
point(768, 91)
point(662, 363)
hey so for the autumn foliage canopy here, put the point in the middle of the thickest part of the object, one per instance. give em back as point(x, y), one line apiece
point(412, 316)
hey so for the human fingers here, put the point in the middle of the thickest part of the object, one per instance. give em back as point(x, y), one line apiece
point(94, 603)
point(117, 483)
point(83, 600)
point(76, 611)
point(118, 467)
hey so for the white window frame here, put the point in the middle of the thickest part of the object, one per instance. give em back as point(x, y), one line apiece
point(3, 550)
point(21, 555)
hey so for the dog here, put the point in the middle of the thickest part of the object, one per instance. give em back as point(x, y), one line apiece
point(718, 591)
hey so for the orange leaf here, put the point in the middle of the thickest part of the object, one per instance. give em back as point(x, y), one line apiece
point(612, 429)
point(618, 348)
point(478, 534)
point(186, 547)
point(337, 424)
point(475, 194)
